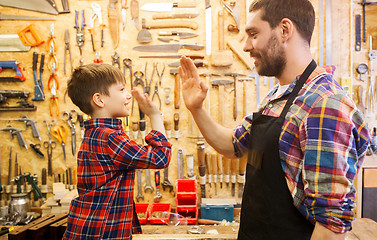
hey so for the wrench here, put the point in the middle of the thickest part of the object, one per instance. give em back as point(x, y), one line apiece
point(148, 184)
point(166, 183)
point(158, 195)
point(139, 187)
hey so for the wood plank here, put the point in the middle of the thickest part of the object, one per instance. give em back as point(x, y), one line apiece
point(20, 233)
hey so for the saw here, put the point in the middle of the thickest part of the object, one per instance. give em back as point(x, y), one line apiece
point(44, 6)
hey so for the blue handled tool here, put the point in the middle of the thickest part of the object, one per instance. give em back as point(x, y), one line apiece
point(12, 64)
point(38, 83)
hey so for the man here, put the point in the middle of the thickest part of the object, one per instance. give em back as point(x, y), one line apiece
point(305, 143)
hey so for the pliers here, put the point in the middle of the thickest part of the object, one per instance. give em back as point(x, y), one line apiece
point(80, 37)
point(156, 93)
point(115, 58)
point(53, 86)
point(67, 48)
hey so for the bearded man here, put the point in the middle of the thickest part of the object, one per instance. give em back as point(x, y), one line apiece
point(306, 141)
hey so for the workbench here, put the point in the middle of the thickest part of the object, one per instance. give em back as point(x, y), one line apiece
point(362, 229)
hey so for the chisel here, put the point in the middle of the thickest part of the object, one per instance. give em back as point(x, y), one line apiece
point(226, 168)
point(233, 172)
point(220, 169)
point(202, 168)
point(241, 176)
point(209, 169)
point(176, 124)
point(214, 170)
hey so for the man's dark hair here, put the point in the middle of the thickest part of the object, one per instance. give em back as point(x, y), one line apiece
point(300, 12)
point(89, 79)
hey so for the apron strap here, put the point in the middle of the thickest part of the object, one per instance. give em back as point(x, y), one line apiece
point(300, 83)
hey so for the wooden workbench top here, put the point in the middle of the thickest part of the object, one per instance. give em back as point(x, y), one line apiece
point(362, 229)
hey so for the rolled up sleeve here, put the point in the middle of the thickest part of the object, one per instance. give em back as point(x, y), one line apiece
point(336, 142)
point(127, 154)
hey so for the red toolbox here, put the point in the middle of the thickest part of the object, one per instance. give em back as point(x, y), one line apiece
point(159, 213)
point(142, 212)
point(186, 189)
point(187, 200)
point(189, 213)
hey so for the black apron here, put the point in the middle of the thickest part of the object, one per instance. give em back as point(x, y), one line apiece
point(267, 205)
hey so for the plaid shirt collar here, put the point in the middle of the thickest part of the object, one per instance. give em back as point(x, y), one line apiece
point(113, 123)
point(330, 69)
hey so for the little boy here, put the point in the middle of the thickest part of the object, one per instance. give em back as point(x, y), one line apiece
point(107, 158)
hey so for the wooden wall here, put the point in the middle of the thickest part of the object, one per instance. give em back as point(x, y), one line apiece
point(344, 58)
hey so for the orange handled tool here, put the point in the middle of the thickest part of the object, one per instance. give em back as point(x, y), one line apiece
point(26, 33)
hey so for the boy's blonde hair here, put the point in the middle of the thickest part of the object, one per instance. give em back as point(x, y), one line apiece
point(89, 79)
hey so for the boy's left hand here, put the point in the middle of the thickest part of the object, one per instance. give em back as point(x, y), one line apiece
point(145, 103)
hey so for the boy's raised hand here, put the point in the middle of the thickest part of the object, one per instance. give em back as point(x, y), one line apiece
point(145, 103)
point(194, 90)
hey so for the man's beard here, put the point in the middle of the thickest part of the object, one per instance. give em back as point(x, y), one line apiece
point(272, 59)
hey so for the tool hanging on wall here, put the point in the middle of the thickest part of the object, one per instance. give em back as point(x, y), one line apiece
point(26, 33)
point(157, 179)
point(370, 102)
point(221, 84)
point(220, 169)
point(361, 69)
point(97, 13)
point(167, 7)
point(124, 14)
point(28, 122)
point(233, 174)
point(180, 163)
point(44, 6)
point(19, 77)
point(213, 159)
point(208, 18)
point(49, 145)
point(116, 60)
point(12, 43)
point(18, 132)
point(173, 56)
point(177, 88)
point(134, 5)
point(167, 47)
point(22, 96)
point(113, 22)
point(6, 17)
point(176, 126)
point(148, 184)
point(80, 30)
point(53, 86)
point(144, 36)
point(51, 49)
point(364, 3)
point(358, 32)
point(226, 170)
point(71, 118)
point(171, 24)
point(60, 133)
point(139, 185)
point(208, 162)
point(202, 168)
point(189, 15)
point(67, 48)
point(235, 12)
point(38, 83)
point(222, 57)
point(241, 175)
point(235, 108)
point(97, 58)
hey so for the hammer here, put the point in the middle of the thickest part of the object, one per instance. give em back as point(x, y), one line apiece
point(208, 81)
point(177, 88)
point(221, 84)
point(245, 103)
point(235, 75)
